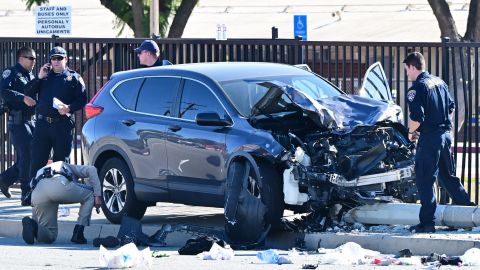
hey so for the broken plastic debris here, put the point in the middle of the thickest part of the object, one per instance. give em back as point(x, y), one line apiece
point(358, 226)
point(217, 253)
point(125, 257)
point(476, 229)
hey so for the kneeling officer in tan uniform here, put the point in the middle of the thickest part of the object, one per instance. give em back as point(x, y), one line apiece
point(55, 184)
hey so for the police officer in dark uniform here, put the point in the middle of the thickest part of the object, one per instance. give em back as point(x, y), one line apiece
point(148, 54)
point(61, 92)
point(13, 83)
point(431, 108)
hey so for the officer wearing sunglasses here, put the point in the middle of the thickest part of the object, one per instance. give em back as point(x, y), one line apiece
point(61, 92)
point(13, 84)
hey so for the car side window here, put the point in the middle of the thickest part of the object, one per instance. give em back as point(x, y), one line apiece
point(127, 91)
point(197, 98)
point(157, 95)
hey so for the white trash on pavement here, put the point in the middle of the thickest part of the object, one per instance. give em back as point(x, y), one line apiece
point(346, 254)
point(471, 257)
point(125, 257)
point(217, 253)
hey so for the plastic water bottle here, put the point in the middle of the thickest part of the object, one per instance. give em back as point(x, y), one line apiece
point(268, 256)
point(63, 211)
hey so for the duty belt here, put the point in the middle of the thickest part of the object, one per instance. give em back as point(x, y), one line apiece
point(24, 118)
point(51, 120)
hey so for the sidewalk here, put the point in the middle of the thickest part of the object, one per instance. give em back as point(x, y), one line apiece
point(442, 242)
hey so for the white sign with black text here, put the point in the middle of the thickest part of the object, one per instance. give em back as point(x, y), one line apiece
point(54, 20)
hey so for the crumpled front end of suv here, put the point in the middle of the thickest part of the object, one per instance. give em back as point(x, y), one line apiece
point(343, 150)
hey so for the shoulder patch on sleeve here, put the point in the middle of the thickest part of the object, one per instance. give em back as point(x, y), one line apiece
point(6, 73)
point(411, 95)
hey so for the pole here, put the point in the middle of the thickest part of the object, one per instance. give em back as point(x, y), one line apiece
point(154, 17)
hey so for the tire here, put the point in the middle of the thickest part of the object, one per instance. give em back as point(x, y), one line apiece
point(118, 193)
point(260, 204)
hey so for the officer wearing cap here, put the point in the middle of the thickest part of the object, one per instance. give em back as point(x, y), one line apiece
point(13, 83)
point(61, 92)
point(148, 54)
point(57, 183)
point(431, 108)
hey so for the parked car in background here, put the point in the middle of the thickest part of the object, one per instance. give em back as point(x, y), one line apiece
point(253, 138)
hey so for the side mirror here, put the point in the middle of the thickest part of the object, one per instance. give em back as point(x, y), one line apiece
point(211, 119)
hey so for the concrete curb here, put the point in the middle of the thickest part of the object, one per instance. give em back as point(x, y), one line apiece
point(13, 228)
point(419, 244)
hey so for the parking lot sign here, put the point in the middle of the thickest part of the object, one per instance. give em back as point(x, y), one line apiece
point(300, 26)
point(53, 20)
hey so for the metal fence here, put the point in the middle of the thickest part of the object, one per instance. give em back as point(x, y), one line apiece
point(343, 63)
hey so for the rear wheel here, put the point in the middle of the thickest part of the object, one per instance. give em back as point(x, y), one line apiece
point(260, 201)
point(118, 193)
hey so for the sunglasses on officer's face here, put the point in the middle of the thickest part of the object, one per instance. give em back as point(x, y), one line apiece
point(57, 58)
point(31, 58)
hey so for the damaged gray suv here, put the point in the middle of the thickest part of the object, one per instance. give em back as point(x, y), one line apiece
point(253, 138)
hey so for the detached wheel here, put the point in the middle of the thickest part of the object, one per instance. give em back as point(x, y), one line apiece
point(260, 202)
point(118, 194)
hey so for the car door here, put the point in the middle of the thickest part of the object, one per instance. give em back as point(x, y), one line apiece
point(143, 130)
point(196, 154)
point(375, 84)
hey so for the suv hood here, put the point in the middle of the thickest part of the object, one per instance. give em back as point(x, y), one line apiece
point(337, 112)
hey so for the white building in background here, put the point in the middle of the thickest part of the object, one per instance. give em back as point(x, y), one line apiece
point(89, 19)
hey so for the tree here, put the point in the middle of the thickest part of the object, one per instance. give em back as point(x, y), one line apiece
point(136, 14)
point(448, 28)
point(447, 24)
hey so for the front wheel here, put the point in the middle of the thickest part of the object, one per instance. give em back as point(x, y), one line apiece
point(260, 201)
point(118, 193)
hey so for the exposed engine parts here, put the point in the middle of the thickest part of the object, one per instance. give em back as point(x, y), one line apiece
point(368, 164)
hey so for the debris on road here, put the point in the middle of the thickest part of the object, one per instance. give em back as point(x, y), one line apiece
point(217, 253)
point(125, 257)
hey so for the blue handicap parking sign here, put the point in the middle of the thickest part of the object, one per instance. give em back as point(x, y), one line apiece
point(300, 26)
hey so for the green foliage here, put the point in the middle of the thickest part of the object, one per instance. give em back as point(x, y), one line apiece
point(124, 14)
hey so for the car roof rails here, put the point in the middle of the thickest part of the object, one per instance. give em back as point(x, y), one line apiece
point(304, 67)
point(166, 62)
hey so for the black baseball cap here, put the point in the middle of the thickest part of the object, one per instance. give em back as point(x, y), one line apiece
point(57, 51)
point(147, 45)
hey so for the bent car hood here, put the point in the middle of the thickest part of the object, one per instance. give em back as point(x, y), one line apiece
point(337, 112)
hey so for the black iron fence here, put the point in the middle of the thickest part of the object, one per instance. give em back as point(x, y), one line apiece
point(343, 63)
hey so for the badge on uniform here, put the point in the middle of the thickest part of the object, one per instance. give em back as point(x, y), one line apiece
point(69, 78)
point(6, 73)
point(411, 95)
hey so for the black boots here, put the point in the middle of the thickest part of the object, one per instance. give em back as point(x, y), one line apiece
point(4, 188)
point(77, 236)
point(30, 230)
point(421, 228)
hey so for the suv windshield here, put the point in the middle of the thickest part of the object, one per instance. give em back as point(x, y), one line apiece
point(245, 93)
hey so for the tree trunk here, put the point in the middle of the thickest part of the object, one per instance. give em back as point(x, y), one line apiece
point(181, 17)
point(445, 20)
point(137, 9)
point(473, 23)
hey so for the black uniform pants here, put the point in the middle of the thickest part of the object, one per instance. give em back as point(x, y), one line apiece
point(22, 135)
point(56, 136)
point(434, 159)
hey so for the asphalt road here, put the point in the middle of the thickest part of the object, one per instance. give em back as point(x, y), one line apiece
point(17, 255)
